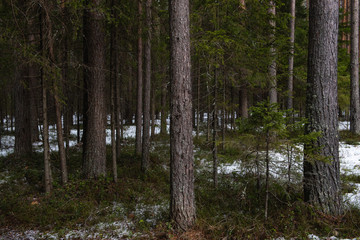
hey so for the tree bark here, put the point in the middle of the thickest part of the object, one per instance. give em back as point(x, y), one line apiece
point(354, 64)
point(147, 91)
point(214, 132)
point(291, 56)
point(94, 148)
point(23, 144)
point(182, 204)
point(322, 186)
point(272, 66)
point(139, 107)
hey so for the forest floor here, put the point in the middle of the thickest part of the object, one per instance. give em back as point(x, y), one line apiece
point(137, 206)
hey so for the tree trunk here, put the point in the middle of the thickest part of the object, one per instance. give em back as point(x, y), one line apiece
point(56, 92)
point(291, 56)
point(94, 148)
point(214, 147)
point(23, 144)
point(182, 204)
point(163, 124)
point(272, 66)
point(153, 110)
point(46, 145)
point(48, 178)
point(322, 186)
point(113, 80)
point(147, 91)
point(139, 108)
point(354, 76)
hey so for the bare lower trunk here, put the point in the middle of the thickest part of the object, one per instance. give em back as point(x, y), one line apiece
point(354, 76)
point(94, 148)
point(272, 66)
point(147, 91)
point(47, 174)
point(113, 80)
point(182, 204)
point(291, 56)
point(139, 107)
point(322, 185)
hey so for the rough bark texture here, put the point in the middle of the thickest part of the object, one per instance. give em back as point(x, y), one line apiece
point(182, 202)
point(94, 152)
point(23, 144)
point(322, 186)
point(354, 76)
point(138, 146)
point(291, 56)
point(147, 91)
point(272, 66)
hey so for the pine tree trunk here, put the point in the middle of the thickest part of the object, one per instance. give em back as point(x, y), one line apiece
point(322, 186)
point(139, 107)
point(113, 80)
point(56, 90)
point(47, 174)
point(272, 66)
point(182, 204)
point(147, 91)
point(291, 56)
point(354, 76)
point(214, 147)
point(23, 144)
point(94, 148)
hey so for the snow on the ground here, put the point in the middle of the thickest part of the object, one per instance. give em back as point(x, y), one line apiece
point(123, 228)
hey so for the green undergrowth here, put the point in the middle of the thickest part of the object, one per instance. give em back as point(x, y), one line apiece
point(233, 210)
point(349, 137)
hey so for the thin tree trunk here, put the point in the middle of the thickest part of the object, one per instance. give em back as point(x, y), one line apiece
point(267, 161)
point(214, 147)
point(139, 107)
point(46, 145)
point(354, 76)
point(113, 80)
point(322, 185)
point(147, 91)
point(291, 56)
point(182, 203)
point(56, 90)
point(153, 123)
point(198, 101)
point(48, 180)
point(272, 66)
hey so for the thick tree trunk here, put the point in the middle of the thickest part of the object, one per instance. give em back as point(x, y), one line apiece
point(139, 107)
point(354, 76)
point(272, 66)
point(182, 204)
point(322, 186)
point(23, 144)
point(291, 56)
point(147, 91)
point(94, 151)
